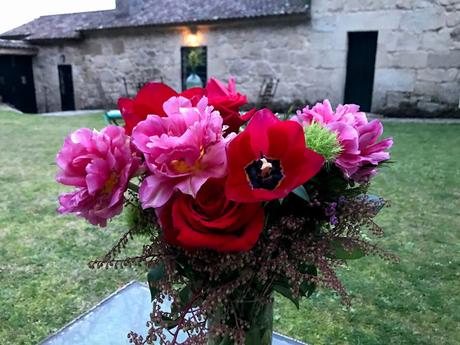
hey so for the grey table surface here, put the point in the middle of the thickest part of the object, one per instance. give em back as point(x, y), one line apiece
point(109, 322)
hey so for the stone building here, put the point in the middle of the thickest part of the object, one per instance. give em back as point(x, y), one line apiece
point(392, 56)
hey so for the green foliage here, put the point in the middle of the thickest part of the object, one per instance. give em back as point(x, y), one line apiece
point(307, 287)
point(195, 58)
point(156, 273)
point(344, 249)
point(322, 141)
point(283, 287)
point(139, 219)
point(132, 216)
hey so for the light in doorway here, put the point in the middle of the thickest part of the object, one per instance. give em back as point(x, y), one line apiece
point(193, 38)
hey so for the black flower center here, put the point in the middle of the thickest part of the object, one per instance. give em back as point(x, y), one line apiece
point(264, 173)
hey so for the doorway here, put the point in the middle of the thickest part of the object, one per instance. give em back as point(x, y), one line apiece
point(194, 61)
point(359, 84)
point(66, 87)
point(17, 82)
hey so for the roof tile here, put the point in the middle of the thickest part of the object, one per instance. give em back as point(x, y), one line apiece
point(152, 13)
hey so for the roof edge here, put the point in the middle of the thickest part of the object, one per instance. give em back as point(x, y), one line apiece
point(214, 22)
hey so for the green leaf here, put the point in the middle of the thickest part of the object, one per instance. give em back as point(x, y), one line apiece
point(185, 294)
point(284, 289)
point(345, 249)
point(253, 337)
point(307, 287)
point(155, 274)
point(170, 322)
point(301, 192)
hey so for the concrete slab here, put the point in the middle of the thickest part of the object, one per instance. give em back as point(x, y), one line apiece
point(74, 113)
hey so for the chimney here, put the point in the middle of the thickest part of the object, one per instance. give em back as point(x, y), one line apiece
point(126, 8)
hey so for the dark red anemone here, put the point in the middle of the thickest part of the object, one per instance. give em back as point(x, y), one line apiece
point(269, 159)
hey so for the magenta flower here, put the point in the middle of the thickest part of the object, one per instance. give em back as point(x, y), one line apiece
point(182, 150)
point(100, 165)
point(358, 138)
point(321, 113)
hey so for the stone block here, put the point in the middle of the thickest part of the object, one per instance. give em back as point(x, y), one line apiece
point(328, 40)
point(118, 47)
point(453, 19)
point(455, 34)
point(395, 99)
point(368, 21)
point(332, 59)
point(436, 41)
point(395, 40)
point(277, 55)
point(264, 68)
point(367, 5)
point(327, 6)
point(438, 92)
point(429, 107)
point(448, 92)
point(392, 79)
point(92, 48)
point(402, 60)
point(444, 60)
point(240, 68)
point(289, 73)
point(415, 4)
point(423, 20)
point(410, 60)
point(438, 74)
point(324, 23)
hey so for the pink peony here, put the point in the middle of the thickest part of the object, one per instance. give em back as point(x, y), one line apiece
point(182, 150)
point(361, 153)
point(100, 165)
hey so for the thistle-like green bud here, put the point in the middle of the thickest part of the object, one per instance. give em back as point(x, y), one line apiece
point(322, 141)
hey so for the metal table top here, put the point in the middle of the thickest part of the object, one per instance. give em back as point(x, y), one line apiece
point(109, 322)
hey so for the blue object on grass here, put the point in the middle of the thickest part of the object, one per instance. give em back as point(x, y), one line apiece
point(110, 321)
point(112, 117)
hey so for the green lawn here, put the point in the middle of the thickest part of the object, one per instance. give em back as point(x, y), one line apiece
point(45, 282)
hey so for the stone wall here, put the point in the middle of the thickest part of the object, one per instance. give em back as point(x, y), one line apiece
point(417, 67)
point(418, 54)
point(102, 61)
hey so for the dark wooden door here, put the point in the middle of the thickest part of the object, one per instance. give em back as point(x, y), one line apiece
point(66, 87)
point(359, 85)
point(17, 82)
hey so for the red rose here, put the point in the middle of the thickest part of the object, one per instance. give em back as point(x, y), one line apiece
point(228, 102)
point(211, 220)
point(269, 159)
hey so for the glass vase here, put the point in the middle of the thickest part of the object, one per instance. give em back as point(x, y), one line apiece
point(260, 319)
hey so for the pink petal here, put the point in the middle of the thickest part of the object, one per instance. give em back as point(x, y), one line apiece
point(155, 191)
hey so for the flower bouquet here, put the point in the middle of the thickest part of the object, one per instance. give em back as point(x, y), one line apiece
point(236, 206)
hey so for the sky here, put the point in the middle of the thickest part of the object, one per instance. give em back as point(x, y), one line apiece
point(14, 13)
